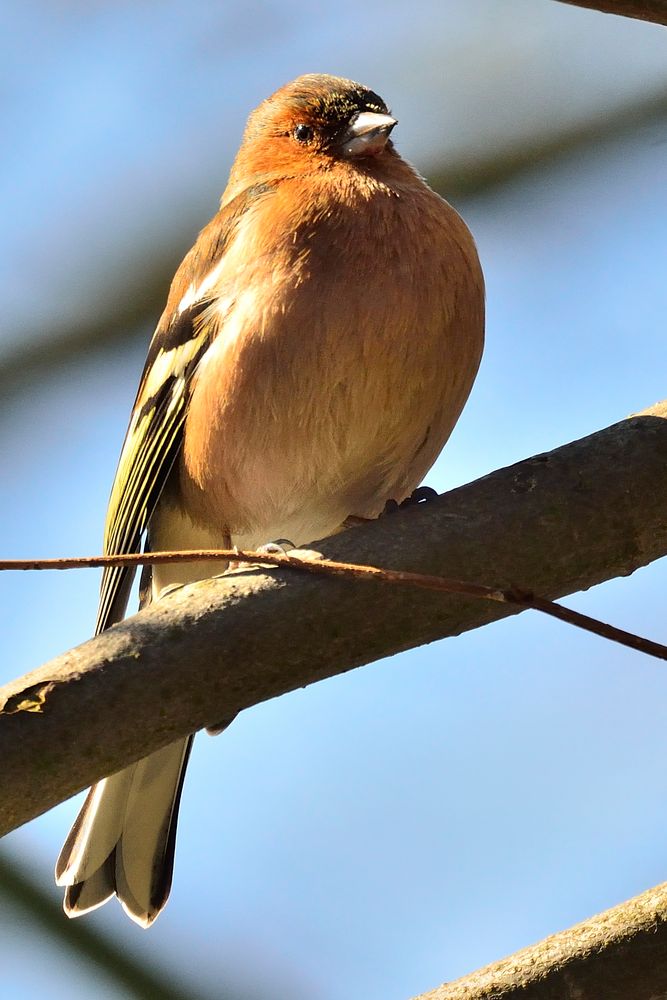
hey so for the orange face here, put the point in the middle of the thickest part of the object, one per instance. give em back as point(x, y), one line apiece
point(311, 122)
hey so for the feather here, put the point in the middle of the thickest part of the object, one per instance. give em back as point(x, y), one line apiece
point(123, 840)
point(154, 437)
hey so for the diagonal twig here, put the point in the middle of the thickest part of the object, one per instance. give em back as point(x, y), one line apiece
point(512, 595)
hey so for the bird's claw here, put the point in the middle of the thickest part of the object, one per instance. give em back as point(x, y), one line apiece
point(275, 548)
point(421, 495)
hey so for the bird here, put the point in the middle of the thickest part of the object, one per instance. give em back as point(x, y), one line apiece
point(317, 347)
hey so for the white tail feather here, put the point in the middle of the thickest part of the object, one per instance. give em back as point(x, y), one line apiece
point(100, 826)
point(122, 842)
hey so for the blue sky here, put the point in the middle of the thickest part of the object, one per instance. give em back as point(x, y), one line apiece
point(405, 823)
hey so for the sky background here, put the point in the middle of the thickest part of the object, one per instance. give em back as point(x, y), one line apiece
point(403, 824)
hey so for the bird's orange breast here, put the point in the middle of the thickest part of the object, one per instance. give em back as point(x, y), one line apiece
point(350, 328)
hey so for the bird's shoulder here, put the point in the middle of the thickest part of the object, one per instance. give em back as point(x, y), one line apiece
point(187, 293)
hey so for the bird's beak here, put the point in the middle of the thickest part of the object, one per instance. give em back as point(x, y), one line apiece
point(367, 134)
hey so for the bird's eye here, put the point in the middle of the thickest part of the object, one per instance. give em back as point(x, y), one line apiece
point(303, 133)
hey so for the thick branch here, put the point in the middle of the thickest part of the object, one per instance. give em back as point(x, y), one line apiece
point(556, 523)
point(619, 955)
point(644, 10)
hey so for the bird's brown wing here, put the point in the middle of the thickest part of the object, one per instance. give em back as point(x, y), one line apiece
point(154, 436)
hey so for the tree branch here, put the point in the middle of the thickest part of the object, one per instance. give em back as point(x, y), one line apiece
point(644, 10)
point(555, 523)
point(618, 955)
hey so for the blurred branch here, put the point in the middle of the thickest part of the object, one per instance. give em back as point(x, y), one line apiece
point(644, 10)
point(475, 177)
point(131, 300)
point(134, 297)
point(618, 955)
point(133, 975)
point(554, 524)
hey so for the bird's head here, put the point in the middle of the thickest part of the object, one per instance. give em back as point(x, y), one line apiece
point(313, 120)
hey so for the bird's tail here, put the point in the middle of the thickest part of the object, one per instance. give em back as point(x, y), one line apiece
point(123, 839)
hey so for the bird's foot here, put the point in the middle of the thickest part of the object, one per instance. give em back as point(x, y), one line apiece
point(281, 545)
point(423, 494)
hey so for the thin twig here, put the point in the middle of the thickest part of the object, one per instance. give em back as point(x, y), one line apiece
point(329, 567)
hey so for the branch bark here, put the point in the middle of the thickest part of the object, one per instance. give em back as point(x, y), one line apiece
point(554, 524)
point(644, 10)
point(618, 955)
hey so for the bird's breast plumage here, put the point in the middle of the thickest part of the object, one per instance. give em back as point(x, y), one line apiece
point(348, 333)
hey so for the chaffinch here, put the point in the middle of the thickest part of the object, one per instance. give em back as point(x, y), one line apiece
point(317, 347)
